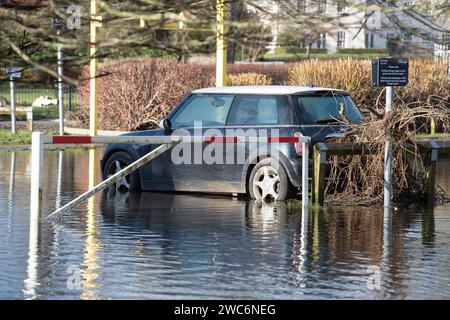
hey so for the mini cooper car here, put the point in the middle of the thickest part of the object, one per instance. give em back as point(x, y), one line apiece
point(287, 111)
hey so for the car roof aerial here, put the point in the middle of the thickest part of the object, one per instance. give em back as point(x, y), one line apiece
point(267, 90)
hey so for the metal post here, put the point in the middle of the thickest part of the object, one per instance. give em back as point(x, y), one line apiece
point(389, 96)
point(12, 99)
point(60, 87)
point(221, 53)
point(305, 172)
point(59, 182)
point(388, 154)
point(70, 98)
point(93, 93)
point(37, 157)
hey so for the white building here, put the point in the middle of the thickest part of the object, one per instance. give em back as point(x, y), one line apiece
point(358, 24)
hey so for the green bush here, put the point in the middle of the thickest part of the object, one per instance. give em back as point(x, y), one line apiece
point(363, 51)
point(296, 50)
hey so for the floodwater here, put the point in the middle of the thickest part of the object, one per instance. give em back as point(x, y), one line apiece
point(178, 246)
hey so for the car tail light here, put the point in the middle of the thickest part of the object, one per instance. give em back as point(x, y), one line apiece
point(298, 145)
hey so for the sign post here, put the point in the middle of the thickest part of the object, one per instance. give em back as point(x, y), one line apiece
point(389, 72)
point(12, 73)
point(57, 24)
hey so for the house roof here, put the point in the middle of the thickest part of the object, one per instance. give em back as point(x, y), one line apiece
point(277, 90)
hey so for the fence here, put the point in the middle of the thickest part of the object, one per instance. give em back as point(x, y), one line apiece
point(25, 97)
point(442, 54)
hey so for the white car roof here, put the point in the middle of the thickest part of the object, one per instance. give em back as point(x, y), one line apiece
point(266, 90)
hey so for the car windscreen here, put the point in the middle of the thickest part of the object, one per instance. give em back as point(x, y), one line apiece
point(327, 109)
point(210, 109)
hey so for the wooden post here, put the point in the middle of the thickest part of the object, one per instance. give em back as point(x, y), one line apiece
point(432, 126)
point(93, 68)
point(221, 49)
point(320, 155)
point(431, 172)
point(30, 119)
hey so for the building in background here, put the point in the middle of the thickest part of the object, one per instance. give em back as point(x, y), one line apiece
point(360, 24)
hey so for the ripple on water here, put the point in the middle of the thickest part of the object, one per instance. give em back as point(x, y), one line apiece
point(156, 245)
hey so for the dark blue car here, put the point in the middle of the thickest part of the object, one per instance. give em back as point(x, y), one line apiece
point(260, 171)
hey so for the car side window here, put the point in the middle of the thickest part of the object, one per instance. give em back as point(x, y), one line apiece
point(261, 110)
point(211, 110)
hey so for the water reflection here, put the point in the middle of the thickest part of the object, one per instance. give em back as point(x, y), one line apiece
point(90, 262)
point(160, 245)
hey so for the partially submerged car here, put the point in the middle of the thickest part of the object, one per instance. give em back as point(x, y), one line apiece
point(286, 111)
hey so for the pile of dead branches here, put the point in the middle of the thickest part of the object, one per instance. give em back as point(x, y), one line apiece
point(359, 179)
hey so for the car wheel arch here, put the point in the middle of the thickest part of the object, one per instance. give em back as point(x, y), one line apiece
point(128, 149)
point(251, 163)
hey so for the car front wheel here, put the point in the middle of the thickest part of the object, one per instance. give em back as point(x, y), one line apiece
point(116, 162)
point(269, 181)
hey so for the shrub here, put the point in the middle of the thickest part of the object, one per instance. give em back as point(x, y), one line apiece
point(348, 74)
point(363, 51)
point(250, 78)
point(278, 72)
point(428, 80)
point(136, 93)
point(297, 50)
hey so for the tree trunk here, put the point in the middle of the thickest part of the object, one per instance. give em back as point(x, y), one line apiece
point(308, 50)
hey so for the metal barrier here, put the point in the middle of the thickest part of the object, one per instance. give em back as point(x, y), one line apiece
point(166, 142)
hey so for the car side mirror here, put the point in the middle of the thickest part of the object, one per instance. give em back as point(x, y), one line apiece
point(167, 125)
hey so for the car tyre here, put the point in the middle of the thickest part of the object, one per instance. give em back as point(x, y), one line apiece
point(269, 181)
point(116, 162)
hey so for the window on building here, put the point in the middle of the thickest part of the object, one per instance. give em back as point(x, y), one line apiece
point(341, 39)
point(390, 36)
point(321, 5)
point(407, 37)
point(446, 38)
point(322, 41)
point(369, 40)
point(391, 4)
point(408, 3)
point(301, 5)
point(341, 6)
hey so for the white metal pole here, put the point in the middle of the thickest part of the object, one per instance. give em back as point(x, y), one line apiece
point(60, 87)
point(389, 97)
point(13, 103)
point(305, 173)
point(388, 154)
point(59, 182)
point(37, 157)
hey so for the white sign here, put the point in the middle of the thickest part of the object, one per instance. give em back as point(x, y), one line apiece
point(14, 72)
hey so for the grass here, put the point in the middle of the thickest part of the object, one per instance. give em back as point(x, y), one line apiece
point(442, 135)
point(22, 137)
point(299, 56)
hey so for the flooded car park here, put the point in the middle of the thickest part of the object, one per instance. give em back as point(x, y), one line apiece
point(182, 246)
